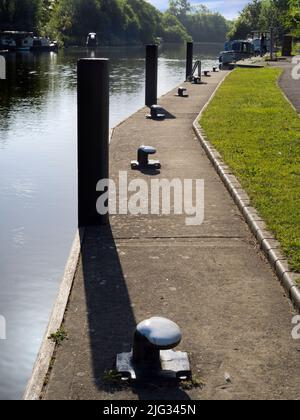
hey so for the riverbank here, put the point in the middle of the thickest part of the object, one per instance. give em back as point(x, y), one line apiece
point(211, 279)
point(256, 134)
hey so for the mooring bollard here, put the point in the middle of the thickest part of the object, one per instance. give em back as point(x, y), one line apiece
point(182, 92)
point(143, 161)
point(189, 60)
point(152, 354)
point(93, 137)
point(156, 113)
point(151, 74)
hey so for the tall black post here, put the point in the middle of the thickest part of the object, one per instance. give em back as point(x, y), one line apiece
point(151, 74)
point(189, 59)
point(93, 137)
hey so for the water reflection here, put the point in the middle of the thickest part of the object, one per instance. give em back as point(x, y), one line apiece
point(38, 181)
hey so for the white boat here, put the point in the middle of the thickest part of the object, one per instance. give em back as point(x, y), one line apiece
point(92, 40)
point(43, 44)
point(234, 51)
point(25, 41)
point(16, 40)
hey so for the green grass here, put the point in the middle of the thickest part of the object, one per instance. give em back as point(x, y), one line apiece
point(258, 134)
point(59, 337)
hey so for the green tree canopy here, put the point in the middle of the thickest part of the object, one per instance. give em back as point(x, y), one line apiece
point(282, 15)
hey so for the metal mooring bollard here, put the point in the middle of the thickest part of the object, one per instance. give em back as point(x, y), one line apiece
point(156, 113)
point(143, 161)
point(93, 137)
point(182, 92)
point(206, 73)
point(214, 69)
point(197, 80)
point(152, 355)
point(151, 74)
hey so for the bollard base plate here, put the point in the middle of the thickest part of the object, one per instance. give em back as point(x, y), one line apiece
point(153, 164)
point(173, 365)
point(157, 117)
point(197, 81)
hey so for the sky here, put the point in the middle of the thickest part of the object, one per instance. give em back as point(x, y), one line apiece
point(228, 8)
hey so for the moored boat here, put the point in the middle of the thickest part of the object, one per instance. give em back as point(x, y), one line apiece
point(25, 41)
point(43, 44)
point(234, 51)
point(92, 40)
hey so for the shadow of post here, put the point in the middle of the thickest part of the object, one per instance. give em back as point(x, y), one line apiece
point(110, 316)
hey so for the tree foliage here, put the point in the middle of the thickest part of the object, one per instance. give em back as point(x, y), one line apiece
point(282, 15)
point(115, 21)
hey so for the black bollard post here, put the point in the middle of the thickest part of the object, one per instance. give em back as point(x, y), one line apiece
point(189, 59)
point(151, 74)
point(93, 137)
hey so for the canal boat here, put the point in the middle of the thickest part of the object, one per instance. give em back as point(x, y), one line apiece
point(261, 47)
point(235, 50)
point(25, 41)
point(44, 44)
point(16, 40)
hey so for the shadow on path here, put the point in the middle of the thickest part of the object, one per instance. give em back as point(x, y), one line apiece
point(110, 315)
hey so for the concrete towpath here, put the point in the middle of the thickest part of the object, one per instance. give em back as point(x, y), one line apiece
point(289, 84)
point(210, 279)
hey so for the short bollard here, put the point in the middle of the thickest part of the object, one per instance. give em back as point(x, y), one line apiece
point(214, 69)
point(143, 161)
point(197, 80)
point(206, 73)
point(152, 355)
point(156, 113)
point(182, 92)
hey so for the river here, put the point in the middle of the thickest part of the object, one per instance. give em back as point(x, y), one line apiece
point(38, 209)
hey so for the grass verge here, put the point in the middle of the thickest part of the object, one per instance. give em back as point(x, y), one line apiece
point(257, 132)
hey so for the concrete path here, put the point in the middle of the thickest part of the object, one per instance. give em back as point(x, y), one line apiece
point(211, 279)
point(288, 84)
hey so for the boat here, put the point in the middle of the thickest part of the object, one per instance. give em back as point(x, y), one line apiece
point(16, 40)
point(25, 41)
point(235, 50)
point(92, 40)
point(43, 44)
point(7, 42)
point(261, 47)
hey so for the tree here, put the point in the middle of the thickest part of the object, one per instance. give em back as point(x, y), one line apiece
point(293, 17)
point(173, 30)
point(22, 15)
point(199, 22)
point(282, 15)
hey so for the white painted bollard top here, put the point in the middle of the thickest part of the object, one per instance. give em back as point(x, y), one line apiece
point(160, 332)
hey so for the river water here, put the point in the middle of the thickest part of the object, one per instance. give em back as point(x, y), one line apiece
point(38, 181)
